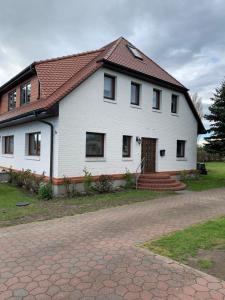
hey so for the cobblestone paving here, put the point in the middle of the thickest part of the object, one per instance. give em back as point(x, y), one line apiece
point(93, 256)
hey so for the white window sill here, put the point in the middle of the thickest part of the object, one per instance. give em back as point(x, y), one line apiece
point(30, 157)
point(135, 106)
point(127, 159)
point(7, 155)
point(110, 101)
point(95, 159)
point(181, 159)
point(157, 110)
point(175, 115)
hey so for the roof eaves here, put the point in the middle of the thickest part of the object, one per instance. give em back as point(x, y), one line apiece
point(67, 56)
point(19, 77)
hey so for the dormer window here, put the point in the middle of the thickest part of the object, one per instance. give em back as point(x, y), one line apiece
point(25, 93)
point(135, 52)
point(12, 100)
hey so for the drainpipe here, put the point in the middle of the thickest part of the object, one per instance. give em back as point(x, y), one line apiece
point(51, 147)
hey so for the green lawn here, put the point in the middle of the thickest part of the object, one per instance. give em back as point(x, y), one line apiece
point(214, 179)
point(184, 244)
point(10, 214)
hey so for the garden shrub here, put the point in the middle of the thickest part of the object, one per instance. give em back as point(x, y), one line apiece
point(186, 175)
point(104, 184)
point(87, 181)
point(26, 179)
point(129, 179)
point(45, 191)
point(70, 188)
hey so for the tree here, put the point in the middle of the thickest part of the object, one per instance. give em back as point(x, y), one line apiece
point(216, 140)
point(197, 101)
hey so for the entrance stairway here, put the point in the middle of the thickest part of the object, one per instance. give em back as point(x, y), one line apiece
point(159, 182)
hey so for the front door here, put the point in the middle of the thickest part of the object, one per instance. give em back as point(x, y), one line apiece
point(148, 152)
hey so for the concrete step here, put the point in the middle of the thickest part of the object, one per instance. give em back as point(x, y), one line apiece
point(159, 185)
point(178, 187)
point(155, 180)
point(155, 176)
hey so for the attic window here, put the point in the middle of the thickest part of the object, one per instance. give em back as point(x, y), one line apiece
point(135, 52)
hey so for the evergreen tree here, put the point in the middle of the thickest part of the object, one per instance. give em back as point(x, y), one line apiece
point(216, 140)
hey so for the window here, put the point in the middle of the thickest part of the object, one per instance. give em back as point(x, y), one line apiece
point(181, 148)
point(156, 99)
point(34, 143)
point(25, 93)
point(109, 87)
point(94, 144)
point(8, 144)
point(126, 146)
point(135, 52)
point(12, 100)
point(135, 93)
point(174, 104)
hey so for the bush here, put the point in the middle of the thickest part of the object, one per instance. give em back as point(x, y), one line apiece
point(37, 180)
point(186, 175)
point(45, 191)
point(70, 188)
point(104, 184)
point(87, 181)
point(26, 179)
point(129, 179)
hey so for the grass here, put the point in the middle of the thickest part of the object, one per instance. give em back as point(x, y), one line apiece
point(10, 214)
point(186, 243)
point(205, 263)
point(214, 179)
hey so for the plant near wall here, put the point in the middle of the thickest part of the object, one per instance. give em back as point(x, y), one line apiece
point(87, 181)
point(37, 180)
point(104, 184)
point(67, 184)
point(129, 179)
point(45, 191)
point(26, 179)
point(70, 188)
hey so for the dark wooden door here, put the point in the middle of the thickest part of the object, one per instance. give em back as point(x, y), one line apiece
point(148, 151)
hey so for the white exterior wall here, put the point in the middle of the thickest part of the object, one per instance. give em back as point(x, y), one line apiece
point(19, 160)
point(84, 110)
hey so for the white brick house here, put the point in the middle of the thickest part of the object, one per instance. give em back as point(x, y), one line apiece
point(108, 109)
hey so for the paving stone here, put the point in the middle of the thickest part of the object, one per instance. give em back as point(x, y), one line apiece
point(93, 256)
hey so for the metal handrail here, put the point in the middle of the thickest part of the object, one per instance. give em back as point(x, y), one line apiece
point(137, 175)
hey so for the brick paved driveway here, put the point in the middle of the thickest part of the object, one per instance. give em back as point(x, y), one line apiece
point(92, 256)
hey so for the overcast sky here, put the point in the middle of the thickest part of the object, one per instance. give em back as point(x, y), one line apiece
point(186, 37)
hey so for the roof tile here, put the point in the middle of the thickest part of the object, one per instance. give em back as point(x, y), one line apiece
point(59, 76)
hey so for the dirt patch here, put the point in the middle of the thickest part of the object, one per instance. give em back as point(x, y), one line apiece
point(210, 261)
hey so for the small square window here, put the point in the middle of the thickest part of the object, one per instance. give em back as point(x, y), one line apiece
point(135, 94)
point(94, 144)
point(126, 146)
point(8, 144)
point(135, 52)
point(34, 143)
point(25, 93)
point(109, 87)
point(181, 148)
point(156, 99)
point(12, 100)
point(174, 104)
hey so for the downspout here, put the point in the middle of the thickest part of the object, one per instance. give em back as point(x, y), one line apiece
point(51, 147)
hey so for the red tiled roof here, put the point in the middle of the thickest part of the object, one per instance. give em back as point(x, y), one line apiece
point(59, 76)
point(122, 55)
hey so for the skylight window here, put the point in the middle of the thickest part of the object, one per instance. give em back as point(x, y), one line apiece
point(135, 52)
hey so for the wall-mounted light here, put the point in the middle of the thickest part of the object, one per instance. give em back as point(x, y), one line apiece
point(162, 152)
point(138, 140)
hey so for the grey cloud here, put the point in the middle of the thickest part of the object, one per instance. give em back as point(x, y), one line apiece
point(185, 37)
